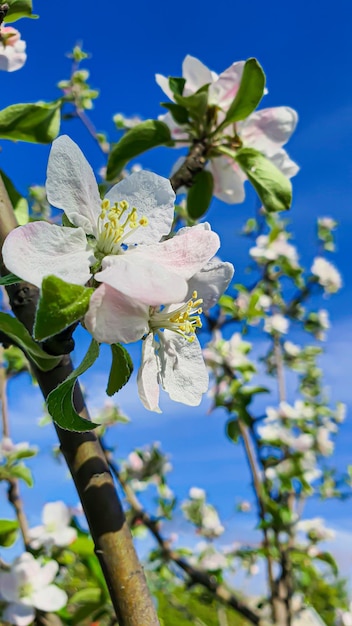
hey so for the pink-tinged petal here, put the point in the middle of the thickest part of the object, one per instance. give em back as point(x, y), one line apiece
point(268, 129)
point(228, 180)
point(163, 83)
point(184, 254)
point(143, 278)
point(46, 574)
point(56, 514)
point(196, 74)
point(113, 317)
point(211, 282)
point(18, 614)
point(183, 372)
point(147, 379)
point(177, 132)
point(153, 197)
point(283, 162)
point(9, 587)
point(71, 184)
point(49, 598)
point(224, 90)
point(39, 249)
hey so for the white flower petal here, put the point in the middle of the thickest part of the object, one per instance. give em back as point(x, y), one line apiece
point(183, 372)
point(39, 249)
point(163, 83)
point(283, 162)
point(9, 587)
point(178, 132)
point(12, 57)
point(71, 184)
point(223, 91)
point(113, 317)
point(196, 74)
point(142, 277)
point(148, 385)
point(56, 514)
point(269, 129)
point(46, 574)
point(211, 282)
point(64, 536)
point(228, 180)
point(49, 598)
point(18, 614)
point(153, 197)
point(185, 254)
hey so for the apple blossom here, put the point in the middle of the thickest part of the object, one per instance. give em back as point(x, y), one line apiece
point(266, 130)
point(196, 493)
point(277, 323)
point(171, 353)
point(105, 242)
point(12, 49)
point(8, 448)
point(270, 250)
point(26, 587)
point(327, 275)
point(315, 529)
point(55, 530)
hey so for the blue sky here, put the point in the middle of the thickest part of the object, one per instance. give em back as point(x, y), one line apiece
point(305, 51)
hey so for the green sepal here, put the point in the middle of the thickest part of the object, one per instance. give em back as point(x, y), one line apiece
point(36, 123)
point(60, 400)
point(18, 9)
point(121, 369)
point(233, 430)
point(144, 136)
point(200, 194)
point(9, 279)
point(273, 188)
point(20, 335)
point(178, 112)
point(19, 203)
point(249, 94)
point(196, 104)
point(60, 305)
point(177, 84)
point(8, 532)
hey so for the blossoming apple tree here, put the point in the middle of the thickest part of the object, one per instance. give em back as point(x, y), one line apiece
point(132, 258)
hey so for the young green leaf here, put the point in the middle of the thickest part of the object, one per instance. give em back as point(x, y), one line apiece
point(249, 95)
point(8, 532)
point(9, 279)
point(200, 195)
point(21, 471)
point(19, 203)
point(60, 400)
point(144, 136)
point(232, 430)
point(36, 123)
point(60, 305)
point(16, 331)
point(18, 9)
point(273, 188)
point(177, 84)
point(196, 104)
point(121, 369)
point(179, 113)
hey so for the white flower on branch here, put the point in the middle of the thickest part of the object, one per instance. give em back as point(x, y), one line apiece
point(277, 323)
point(12, 49)
point(28, 586)
point(327, 275)
point(56, 529)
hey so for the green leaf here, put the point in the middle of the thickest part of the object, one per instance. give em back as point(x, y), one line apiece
point(232, 430)
point(19, 203)
point(18, 9)
point(178, 112)
point(200, 195)
point(91, 595)
point(121, 369)
point(8, 532)
point(16, 331)
point(9, 279)
point(273, 188)
point(144, 136)
point(60, 305)
point(60, 400)
point(37, 123)
point(196, 104)
point(83, 546)
point(177, 85)
point(326, 557)
point(22, 472)
point(249, 95)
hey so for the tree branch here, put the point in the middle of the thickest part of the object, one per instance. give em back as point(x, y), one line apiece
point(90, 471)
point(193, 164)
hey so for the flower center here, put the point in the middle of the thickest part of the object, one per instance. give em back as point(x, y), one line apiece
point(184, 320)
point(115, 225)
point(25, 590)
